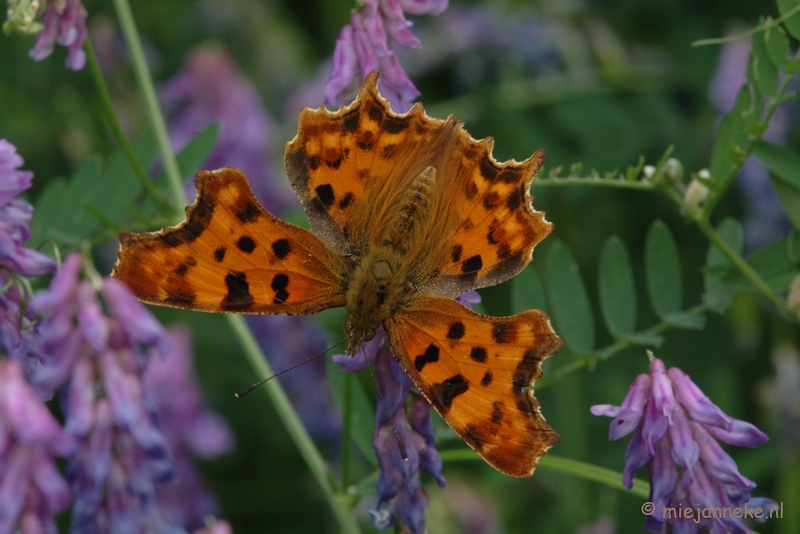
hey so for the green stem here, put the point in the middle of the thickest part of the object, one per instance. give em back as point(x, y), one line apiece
point(759, 28)
point(347, 429)
point(316, 464)
point(616, 347)
point(116, 128)
point(602, 182)
point(145, 81)
point(739, 262)
point(578, 469)
point(601, 475)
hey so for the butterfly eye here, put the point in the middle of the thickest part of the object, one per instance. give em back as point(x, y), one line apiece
point(348, 327)
point(369, 335)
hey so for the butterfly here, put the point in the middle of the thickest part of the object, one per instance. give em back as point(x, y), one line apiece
point(406, 212)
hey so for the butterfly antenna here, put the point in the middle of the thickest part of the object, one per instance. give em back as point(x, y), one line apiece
point(251, 387)
point(400, 445)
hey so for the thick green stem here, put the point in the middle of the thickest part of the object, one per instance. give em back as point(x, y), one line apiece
point(142, 73)
point(116, 128)
point(290, 419)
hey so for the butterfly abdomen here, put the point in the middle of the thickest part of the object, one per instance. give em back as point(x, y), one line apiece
point(414, 205)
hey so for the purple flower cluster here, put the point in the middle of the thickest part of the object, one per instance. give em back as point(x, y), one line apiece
point(64, 23)
point(16, 261)
point(32, 491)
point(364, 46)
point(191, 430)
point(209, 88)
point(404, 414)
point(676, 428)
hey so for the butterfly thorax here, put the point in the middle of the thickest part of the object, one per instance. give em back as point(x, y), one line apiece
point(377, 285)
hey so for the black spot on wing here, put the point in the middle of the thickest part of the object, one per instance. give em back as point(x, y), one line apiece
point(183, 297)
point(199, 218)
point(395, 125)
point(366, 141)
point(431, 355)
point(497, 412)
point(350, 121)
point(455, 255)
point(246, 244)
point(487, 379)
point(488, 169)
point(325, 194)
point(471, 190)
point(515, 199)
point(444, 393)
point(510, 175)
point(389, 151)
point(478, 354)
point(314, 162)
point(247, 212)
point(183, 268)
point(279, 284)
point(491, 200)
point(219, 254)
point(456, 331)
point(376, 113)
point(346, 201)
point(504, 332)
point(281, 248)
point(238, 297)
point(472, 265)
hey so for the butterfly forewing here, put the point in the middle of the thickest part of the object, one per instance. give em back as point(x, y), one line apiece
point(477, 372)
point(232, 255)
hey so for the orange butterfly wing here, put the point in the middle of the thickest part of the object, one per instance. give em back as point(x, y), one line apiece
point(478, 373)
point(232, 255)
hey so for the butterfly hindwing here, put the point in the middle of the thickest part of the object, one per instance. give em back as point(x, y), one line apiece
point(232, 255)
point(478, 373)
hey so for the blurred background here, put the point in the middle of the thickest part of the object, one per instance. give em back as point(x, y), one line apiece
point(595, 82)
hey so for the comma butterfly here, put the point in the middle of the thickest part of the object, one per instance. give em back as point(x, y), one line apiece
point(406, 213)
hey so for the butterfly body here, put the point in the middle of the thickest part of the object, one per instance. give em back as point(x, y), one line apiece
point(406, 213)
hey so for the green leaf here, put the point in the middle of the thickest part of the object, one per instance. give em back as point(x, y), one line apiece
point(68, 212)
point(781, 160)
point(730, 136)
point(569, 301)
point(793, 66)
point(663, 270)
point(718, 294)
point(617, 292)
point(792, 24)
point(528, 292)
point(58, 215)
point(790, 198)
point(764, 70)
point(777, 45)
point(363, 414)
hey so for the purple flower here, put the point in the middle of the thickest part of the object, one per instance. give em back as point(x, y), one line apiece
point(64, 23)
point(32, 491)
point(14, 216)
point(402, 424)
point(191, 429)
point(366, 43)
point(210, 88)
point(676, 428)
point(96, 354)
